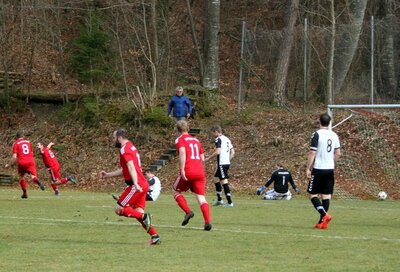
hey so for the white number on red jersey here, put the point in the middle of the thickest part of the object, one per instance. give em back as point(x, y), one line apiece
point(25, 149)
point(194, 152)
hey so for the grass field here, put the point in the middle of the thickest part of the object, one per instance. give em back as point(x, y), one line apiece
point(80, 232)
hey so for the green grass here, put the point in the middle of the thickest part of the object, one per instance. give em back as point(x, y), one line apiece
point(80, 232)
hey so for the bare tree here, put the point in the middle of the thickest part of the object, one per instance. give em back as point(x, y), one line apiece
point(195, 42)
point(389, 57)
point(331, 55)
point(347, 42)
point(283, 63)
point(211, 46)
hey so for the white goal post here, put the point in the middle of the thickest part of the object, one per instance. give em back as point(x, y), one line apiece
point(361, 106)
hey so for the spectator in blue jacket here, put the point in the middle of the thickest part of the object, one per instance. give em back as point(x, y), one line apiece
point(179, 105)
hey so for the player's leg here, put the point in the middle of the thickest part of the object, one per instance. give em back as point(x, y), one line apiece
point(218, 190)
point(23, 183)
point(54, 181)
point(31, 169)
point(314, 189)
point(227, 192)
point(225, 184)
point(218, 187)
point(129, 198)
point(327, 191)
point(287, 196)
point(179, 186)
point(139, 202)
point(199, 188)
point(270, 195)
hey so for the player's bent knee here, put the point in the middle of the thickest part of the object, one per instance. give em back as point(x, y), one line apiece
point(119, 210)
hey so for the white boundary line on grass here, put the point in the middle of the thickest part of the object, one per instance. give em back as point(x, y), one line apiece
point(52, 221)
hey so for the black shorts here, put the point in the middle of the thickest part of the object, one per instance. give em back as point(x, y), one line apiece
point(222, 172)
point(321, 182)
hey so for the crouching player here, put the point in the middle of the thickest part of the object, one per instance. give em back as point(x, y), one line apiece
point(132, 201)
point(53, 167)
point(280, 177)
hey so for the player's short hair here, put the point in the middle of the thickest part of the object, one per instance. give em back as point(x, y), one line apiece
point(182, 126)
point(179, 88)
point(121, 132)
point(324, 119)
point(19, 134)
point(216, 128)
point(279, 164)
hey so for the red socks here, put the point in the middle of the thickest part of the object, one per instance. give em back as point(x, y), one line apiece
point(181, 200)
point(130, 212)
point(23, 184)
point(64, 180)
point(205, 209)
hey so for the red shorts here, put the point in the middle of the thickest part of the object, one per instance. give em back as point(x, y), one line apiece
point(133, 198)
point(54, 173)
point(196, 184)
point(27, 168)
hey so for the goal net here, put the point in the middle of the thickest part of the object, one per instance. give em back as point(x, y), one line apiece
point(370, 160)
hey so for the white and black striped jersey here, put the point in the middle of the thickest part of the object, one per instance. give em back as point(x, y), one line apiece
point(225, 145)
point(324, 142)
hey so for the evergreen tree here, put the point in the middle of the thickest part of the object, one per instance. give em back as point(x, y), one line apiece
point(92, 56)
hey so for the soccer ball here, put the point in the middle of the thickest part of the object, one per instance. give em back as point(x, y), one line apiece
point(382, 195)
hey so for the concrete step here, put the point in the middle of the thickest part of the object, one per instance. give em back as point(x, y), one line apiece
point(194, 131)
point(155, 168)
point(167, 157)
point(171, 151)
point(159, 162)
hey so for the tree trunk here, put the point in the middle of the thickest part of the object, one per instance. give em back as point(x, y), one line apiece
point(195, 42)
point(347, 43)
point(331, 55)
point(211, 48)
point(389, 59)
point(283, 63)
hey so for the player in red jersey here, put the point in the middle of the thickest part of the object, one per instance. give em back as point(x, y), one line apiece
point(192, 175)
point(132, 201)
point(53, 166)
point(23, 157)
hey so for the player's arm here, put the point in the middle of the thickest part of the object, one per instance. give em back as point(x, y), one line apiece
point(232, 153)
point(216, 152)
point(133, 174)
point(264, 187)
point(294, 186)
point(338, 153)
point(182, 161)
point(116, 173)
point(50, 145)
point(312, 153)
point(151, 181)
point(310, 162)
point(190, 108)
point(12, 161)
point(170, 106)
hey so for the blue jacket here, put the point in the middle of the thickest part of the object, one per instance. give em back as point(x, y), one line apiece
point(181, 106)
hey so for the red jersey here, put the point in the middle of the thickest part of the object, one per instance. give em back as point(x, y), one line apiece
point(128, 152)
point(49, 159)
point(193, 148)
point(23, 149)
